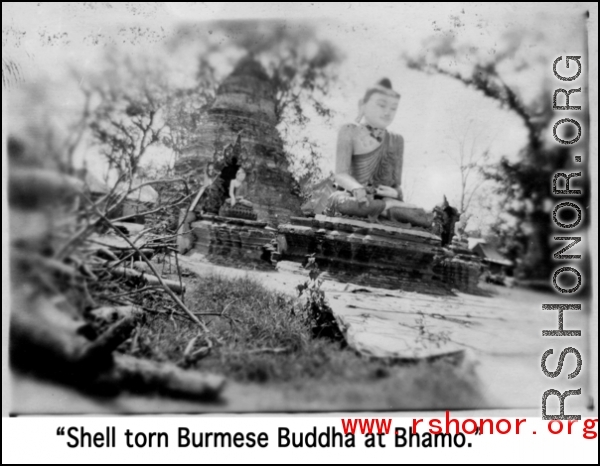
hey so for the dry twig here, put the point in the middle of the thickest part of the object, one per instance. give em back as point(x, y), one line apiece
point(173, 296)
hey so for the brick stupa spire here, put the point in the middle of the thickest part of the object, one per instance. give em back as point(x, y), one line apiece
point(239, 130)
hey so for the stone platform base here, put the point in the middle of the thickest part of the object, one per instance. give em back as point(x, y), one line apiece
point(378, 255)
point(238, 211)
point(235, 238)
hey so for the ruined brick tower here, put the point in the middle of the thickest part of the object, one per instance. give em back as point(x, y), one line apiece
point(239, 131)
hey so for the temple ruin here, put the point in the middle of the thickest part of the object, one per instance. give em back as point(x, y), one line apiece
point(267, 226)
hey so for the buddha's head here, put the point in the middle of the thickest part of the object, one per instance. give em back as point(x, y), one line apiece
point(210, 170)
point(240, 174)
point(379, 105)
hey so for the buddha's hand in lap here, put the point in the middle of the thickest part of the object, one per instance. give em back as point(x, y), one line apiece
point(391, 202)
point(387, 191)
point(360, 194)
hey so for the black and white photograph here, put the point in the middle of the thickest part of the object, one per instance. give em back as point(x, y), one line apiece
point(298, 208)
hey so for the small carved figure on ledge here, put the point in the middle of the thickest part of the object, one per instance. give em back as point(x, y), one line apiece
point(238, 190)
point(236, 205)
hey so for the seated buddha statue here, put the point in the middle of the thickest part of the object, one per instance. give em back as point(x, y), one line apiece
point(238, 190)
point(236, 205)
point(368, 168)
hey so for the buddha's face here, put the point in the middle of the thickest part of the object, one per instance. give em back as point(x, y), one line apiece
point(240, 175)
point(210, 170)
point(380, 109)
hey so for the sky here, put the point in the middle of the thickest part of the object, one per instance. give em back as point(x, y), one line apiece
point(435, 112)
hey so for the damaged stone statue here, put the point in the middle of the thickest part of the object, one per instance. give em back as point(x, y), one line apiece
point(238, 189)
point(368, 169)
point(236, 205)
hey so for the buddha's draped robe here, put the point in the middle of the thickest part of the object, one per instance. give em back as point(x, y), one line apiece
point(380, 167)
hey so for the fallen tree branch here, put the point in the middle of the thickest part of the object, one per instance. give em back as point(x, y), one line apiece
point(85, 231)
point(144, 250)
point(179, 315)
point(147, 376)
point(116, 263)
point(107, 253)
point(153, 211)
point(177, 301)
point(140, 290)
point(190, 356)
point(178, 271)
point(140, 234)
point(109, 341)
point(88, 228)
point(282, 349)
point(151, 280)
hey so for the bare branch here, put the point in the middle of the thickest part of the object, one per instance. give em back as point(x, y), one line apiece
point(173, 296)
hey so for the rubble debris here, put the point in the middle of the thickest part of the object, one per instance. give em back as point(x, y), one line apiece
point(45, 342)
point(65, 268)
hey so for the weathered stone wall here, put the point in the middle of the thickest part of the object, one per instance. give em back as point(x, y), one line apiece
point(238, 239)
point(378, 255)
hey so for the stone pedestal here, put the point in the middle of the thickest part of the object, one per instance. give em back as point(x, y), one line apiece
point(377, 255)
point(241, 239)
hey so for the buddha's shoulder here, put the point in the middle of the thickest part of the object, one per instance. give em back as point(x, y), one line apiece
point(349, 128)
point(349, 133)
point(396, 138)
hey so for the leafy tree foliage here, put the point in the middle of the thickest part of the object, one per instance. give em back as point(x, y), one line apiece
point(523, 186)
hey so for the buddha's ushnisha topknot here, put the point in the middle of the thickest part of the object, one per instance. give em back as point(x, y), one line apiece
point(383, 86)
point(385, 82)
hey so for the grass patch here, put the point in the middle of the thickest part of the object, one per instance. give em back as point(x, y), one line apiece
point(263, 337)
